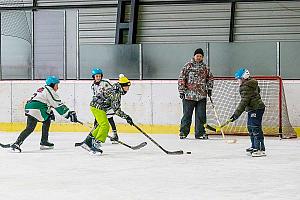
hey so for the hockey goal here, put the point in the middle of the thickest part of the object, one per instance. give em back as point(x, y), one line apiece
point(226, 98)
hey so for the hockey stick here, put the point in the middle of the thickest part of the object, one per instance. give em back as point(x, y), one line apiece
point(209, 127)
point(217, 129)
point(139, 146)
point(166, 151)
point(221, 126)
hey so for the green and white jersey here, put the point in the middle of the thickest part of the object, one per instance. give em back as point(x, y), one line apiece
point(40, 104)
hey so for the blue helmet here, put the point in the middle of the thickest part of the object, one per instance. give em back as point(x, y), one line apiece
point(242, 73)
point(52, 80)
point(97, 71)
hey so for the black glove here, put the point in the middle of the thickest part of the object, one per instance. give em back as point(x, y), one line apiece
point(52, 116)
point(129, 120)
point(233, 118)
point(209, 93)
point(181, 95)
point(72, 115)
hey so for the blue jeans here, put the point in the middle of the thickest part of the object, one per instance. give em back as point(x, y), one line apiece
point(200, 116)
point(254, 126)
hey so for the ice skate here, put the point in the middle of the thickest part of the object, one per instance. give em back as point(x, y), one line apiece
point(114, 138)
point(96, 144)
point(258, 153)
point(15, 148)
point(46, 145)
point(95, 151)
point(85, 146)
point(182, 136)
point(249, 151)
point(202, 137)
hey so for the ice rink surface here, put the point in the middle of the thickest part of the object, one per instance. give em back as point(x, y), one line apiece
point(214, 170)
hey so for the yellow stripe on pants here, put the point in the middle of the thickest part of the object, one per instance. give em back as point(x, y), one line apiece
point(101, 132)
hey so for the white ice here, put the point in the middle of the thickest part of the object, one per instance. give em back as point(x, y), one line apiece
point(214, 170)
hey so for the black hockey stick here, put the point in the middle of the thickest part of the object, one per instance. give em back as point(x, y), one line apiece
point(139, 146)
point(4, 145)
point(209, 127)
point(166, 151)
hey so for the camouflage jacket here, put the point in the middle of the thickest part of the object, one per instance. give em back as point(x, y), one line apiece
point(98, 87)
point(250, 97)
point(194, 80)
point(110, 99)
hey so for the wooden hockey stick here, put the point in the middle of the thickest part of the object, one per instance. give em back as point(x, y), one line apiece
point(231, 141)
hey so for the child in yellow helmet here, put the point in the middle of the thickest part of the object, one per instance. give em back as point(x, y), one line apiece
point(109, 99)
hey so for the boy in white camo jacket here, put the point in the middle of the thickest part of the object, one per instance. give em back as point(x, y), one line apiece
point(99, 86)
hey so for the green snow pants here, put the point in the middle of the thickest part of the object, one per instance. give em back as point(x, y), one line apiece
point(101, 131)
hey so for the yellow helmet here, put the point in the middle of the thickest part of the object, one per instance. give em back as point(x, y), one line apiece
point(123, 80)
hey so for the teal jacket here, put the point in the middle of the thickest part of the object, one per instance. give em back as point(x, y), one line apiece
point(250, 97)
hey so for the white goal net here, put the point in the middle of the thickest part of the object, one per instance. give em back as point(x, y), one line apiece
point(226, 98)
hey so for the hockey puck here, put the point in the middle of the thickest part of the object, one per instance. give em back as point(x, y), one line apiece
point(188, 152)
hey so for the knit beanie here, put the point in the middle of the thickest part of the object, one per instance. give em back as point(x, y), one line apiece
point(199, 51)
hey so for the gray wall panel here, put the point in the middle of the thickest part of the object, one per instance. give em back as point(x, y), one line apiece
point(15, 3)
point(275, 21)
point(74, 2)
point(183, 23)
point(97, 26)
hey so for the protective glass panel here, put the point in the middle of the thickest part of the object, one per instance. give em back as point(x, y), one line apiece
point(112, 59)
point(290, 60)
point(165, 61)
point(16, 45)
point(259, 58)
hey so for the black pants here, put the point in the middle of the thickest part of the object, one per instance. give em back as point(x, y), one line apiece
point(200, 116)
point(31, 124)
point(111, 122)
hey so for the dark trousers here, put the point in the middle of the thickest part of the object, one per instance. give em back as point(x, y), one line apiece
point(31, 124)
point(111, 122)
point(200, 116)
point(254, 125)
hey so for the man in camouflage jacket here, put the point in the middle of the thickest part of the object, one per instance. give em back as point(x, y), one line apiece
point(194, 84)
